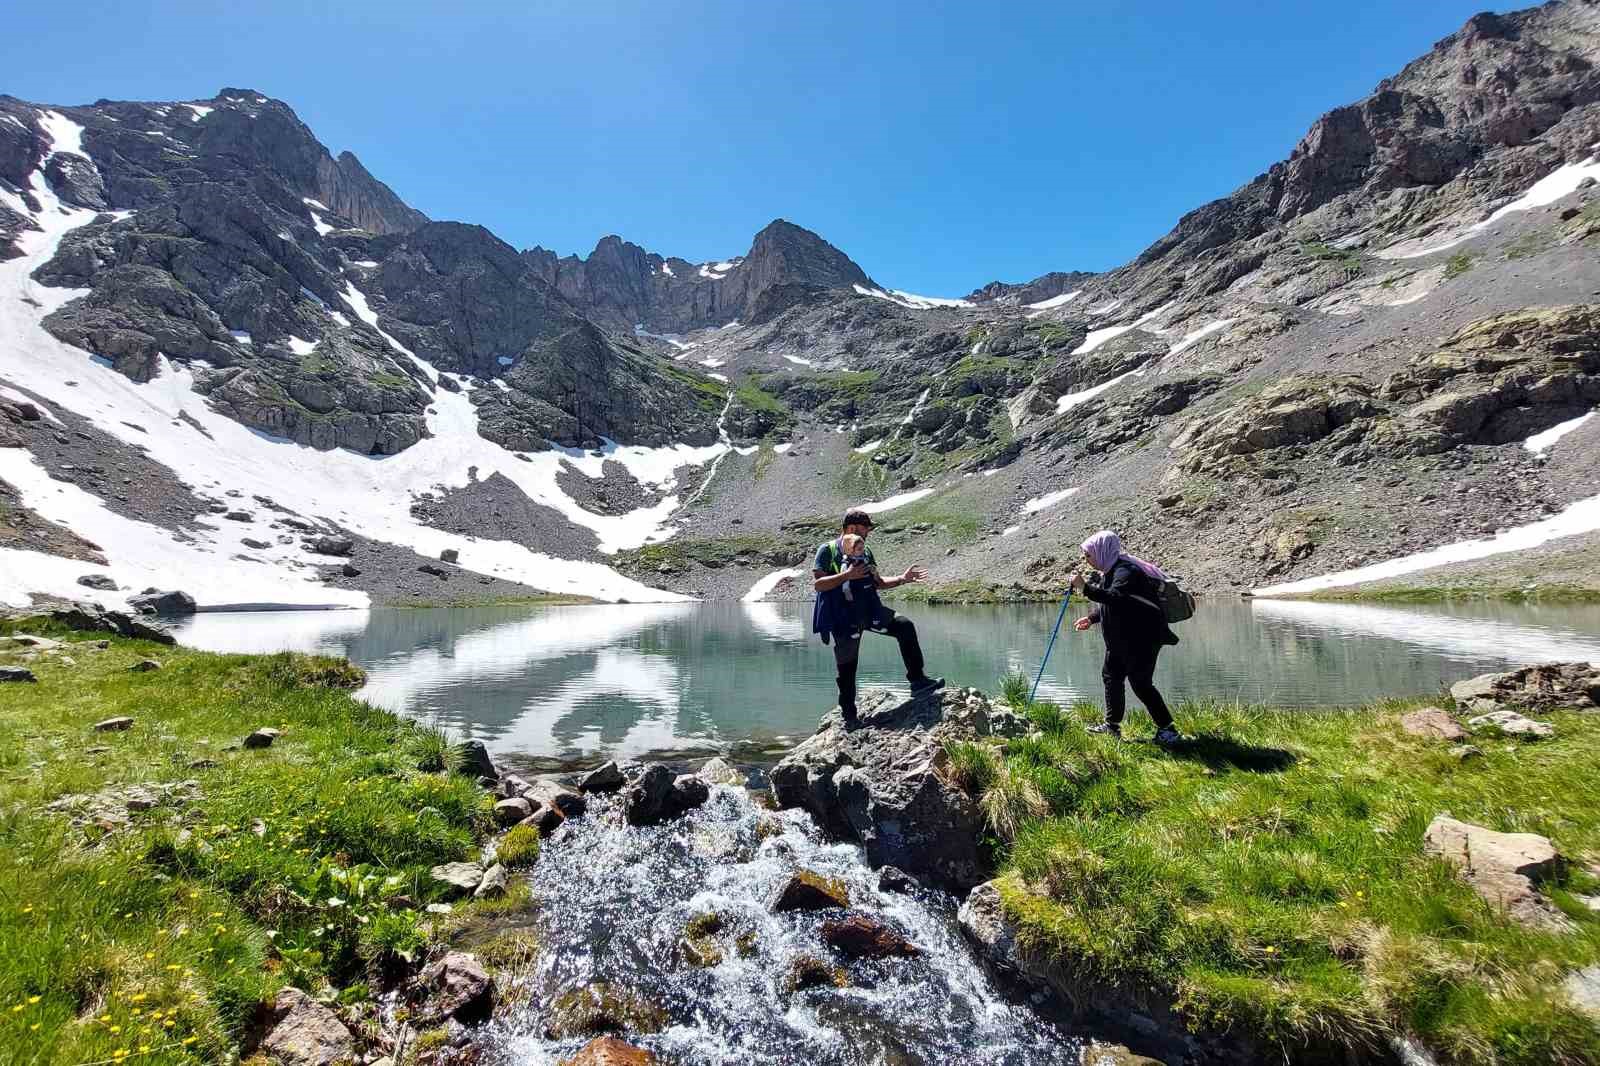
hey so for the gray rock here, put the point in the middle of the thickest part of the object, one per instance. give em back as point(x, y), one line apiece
point(145, 666)
point(103, 582)
point(721, 772)
point(512, 811)
point(1511, 724)
point(449, 555)
point(808, 891)
point(1545, 687)
point(894, 879)
point(459, 878)
point(495, 881)
point(335, 546)
point(607, 778)
point(1583, 988)
point(475, 760)
point(262, 738)
point(1503, 868)
point(569, 801)
point(307, 1033)
point(545, 818)
point(1431, 723)
point(251, 542)
point(983, 920)
point(114, 725)
point(172, 603)
point(18, 673)
point(688, 792)
point(882, 782)
point(649, 799)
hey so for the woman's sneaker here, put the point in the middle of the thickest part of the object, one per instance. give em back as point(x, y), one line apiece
point(1168, 736)
point(1107, 729)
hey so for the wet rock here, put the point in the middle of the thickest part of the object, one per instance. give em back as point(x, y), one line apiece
point(512, 811)
point(1501, 867)
point(144, 666)
point(601, 1008)
point(983, 920)
point(1431, 723)
point(454, 987)
point(1512, 724)
point(807, 891)
point(721, 772)
point(1098, 1054)
point(885, 784)
point(458, 878)
point(545, 818)
point(496, 879)
point(475, 761)
point(609, 1051)
point(334, 546)
point(114, 725)
point(607, 778)
point(863, 937)
point(262, 738)
point(18, 673)
point(163, 603)
point(306, 1033)
point(649, 799)
point(1545, 687)
point(103, 582)
point(808, 971)
point(688, 792)
point(569, 801)
point(894, 879)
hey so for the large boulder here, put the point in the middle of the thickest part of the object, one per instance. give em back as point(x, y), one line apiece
point(1431, 723)
point(659, 793)
point(306, 1033)
point(984, 922)
point(885, 782)
point(1503, 868)
point(153, 601)
point(1546, 687)
point(1512, 724)
point(610, 1051)
point(862, 936)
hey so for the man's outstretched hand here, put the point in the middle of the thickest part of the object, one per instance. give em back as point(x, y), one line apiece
point(913, 575)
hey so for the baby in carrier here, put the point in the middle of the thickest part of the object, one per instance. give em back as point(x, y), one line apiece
point(862, 593)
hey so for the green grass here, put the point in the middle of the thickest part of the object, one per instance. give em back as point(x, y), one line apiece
point(708, 395)
point(1268, 874)
point(1457, 265)
point(1548, 593)
point(1531, 244)
point(1343, 258)
point(679, 552)
point(751, 395)
point(956, 515)
point(167, 934)
point(862, 479)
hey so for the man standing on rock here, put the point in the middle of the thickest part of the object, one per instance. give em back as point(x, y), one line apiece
point(841, 620)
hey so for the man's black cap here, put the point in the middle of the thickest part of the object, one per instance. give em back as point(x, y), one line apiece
point(856, 517)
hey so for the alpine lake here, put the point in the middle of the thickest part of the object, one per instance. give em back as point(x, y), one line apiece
point(562, 687)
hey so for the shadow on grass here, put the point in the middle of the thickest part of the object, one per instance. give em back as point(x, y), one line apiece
point(1225, 753)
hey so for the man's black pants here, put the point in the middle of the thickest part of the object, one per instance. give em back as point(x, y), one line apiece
point(847, 653)
point(1136, 667)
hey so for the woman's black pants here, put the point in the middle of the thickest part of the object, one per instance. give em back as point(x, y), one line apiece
point(1136, 667)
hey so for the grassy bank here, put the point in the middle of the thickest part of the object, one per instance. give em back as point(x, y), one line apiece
point(134, 934)
point(1269, 874)
point(1464, 592)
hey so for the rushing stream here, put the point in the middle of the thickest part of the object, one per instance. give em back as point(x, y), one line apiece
point(614, 901)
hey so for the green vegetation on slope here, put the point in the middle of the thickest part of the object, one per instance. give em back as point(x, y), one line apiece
point(155, 939)
point(1269, 873)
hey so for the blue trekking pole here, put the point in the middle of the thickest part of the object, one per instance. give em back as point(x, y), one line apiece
point(1049, 647)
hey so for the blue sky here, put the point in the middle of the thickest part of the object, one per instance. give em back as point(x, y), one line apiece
point(940, 145)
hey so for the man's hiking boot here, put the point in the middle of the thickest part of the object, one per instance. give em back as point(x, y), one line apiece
point(1107, 729)
point(1167, 736)
point(848, 713)
point(921, 686)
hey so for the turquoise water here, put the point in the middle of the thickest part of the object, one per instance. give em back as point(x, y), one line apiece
point(567, 684)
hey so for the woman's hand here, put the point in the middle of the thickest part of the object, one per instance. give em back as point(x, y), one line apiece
point(1078, 582)
point(1083, 623)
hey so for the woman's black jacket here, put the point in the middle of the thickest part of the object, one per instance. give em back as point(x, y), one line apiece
point(1129, 624)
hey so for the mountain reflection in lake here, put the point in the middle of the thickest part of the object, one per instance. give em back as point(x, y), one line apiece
point(571, 683)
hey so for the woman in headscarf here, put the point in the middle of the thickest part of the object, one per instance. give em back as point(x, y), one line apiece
point(1127, 608)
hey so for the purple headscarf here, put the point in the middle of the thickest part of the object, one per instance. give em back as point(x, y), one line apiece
point(1105, 548)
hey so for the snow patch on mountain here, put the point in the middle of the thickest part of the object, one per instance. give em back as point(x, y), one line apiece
point(911, 299)
point(1541, 442)
point(1070, 400)
point(1563, 181)
point(1049, 499)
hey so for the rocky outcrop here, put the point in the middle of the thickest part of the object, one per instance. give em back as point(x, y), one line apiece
point(454, 987)
point(1546, 687)
point(658, 794)
point(885, 784)
point(1503, 868)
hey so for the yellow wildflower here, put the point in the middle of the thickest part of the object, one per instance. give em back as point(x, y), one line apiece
point(33, 999)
